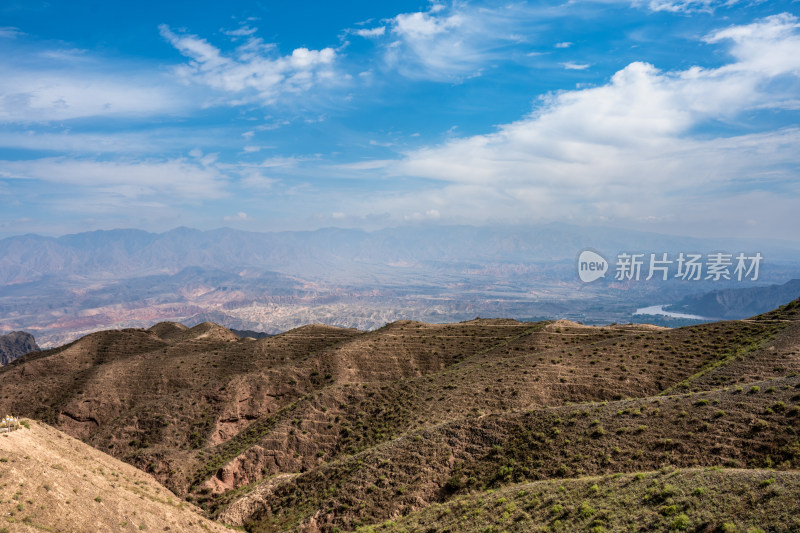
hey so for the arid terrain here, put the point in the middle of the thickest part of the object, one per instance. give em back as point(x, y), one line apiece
point(50, 481)
point(482, 425)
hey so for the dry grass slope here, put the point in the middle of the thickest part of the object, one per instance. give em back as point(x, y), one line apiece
point(50, 481)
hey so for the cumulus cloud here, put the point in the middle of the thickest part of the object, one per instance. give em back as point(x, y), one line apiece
point(253, 71)
point(629, 148)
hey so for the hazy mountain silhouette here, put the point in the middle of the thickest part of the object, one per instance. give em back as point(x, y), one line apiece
point(738, 303)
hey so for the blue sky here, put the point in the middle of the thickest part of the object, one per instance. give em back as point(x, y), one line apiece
point(676, 116)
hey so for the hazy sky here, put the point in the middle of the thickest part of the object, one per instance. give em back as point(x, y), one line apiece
point(677, 116)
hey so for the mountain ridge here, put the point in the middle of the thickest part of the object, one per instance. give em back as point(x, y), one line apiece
point(125, 252)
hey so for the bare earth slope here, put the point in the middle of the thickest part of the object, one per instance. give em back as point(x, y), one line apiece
point(50, 481)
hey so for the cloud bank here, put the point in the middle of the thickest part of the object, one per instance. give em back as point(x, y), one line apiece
point(641, 147)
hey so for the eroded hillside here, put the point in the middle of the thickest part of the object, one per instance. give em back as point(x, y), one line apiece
point(322, 428)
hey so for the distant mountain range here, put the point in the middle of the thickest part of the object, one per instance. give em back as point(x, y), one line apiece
point(333, 253)
point(16, 344)
point(738, 303)
point(60, 288)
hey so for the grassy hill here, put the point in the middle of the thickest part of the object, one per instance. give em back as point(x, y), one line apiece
point(670, 499)
point(323, 429)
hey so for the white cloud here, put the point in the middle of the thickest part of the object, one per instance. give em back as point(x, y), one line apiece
point(565, 44)
point(253, 71)
point(371, 32)
point(244, 31)
point(684, 6)
point(78, 142)
point(430, 214)
point(8, 32)
point(372, 164)
point(628, 149)
point(171, 181)
point(569, 65)
point(280, 161)
point(241, 216)
point(450, 42)
point(767, 48)
point(59, 93)
point(40, 83)
point(254, 180)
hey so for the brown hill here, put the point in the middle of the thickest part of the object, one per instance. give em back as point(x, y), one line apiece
point(168, 330)
point(50, 481)
point(732, 428)
point(321, 428)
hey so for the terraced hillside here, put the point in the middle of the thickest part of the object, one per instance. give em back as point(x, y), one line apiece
point(323, 428)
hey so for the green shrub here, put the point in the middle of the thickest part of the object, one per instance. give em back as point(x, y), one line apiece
point(680, 522)
point(454, 484)
point(669, 510)
point(586, 510)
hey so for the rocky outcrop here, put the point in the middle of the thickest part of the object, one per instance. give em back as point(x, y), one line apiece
point(15, 345)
